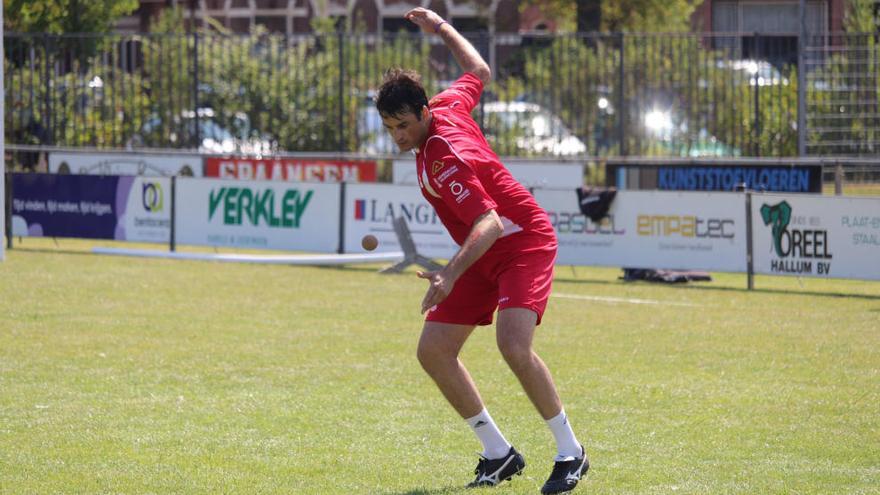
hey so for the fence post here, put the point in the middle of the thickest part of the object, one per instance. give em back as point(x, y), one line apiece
point(195, 90)
point(341, 248)
point(802, 80)
point(838, 179)
point(756, 129)
point(750, 269)
point(340, 34)
point(5, 179)
point(172, 239)
point(47, 106)
point(7, 209)
point(621, 81)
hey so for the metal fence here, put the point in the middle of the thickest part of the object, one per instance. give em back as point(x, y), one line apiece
point(581, 95)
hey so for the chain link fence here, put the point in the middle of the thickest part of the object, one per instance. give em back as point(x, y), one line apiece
point(579, 95)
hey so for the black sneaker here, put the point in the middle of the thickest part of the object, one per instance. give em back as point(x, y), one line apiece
point(566, 474)
point(491, 472)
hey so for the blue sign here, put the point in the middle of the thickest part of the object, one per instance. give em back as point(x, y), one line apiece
point(67, 205)
point(729, 178)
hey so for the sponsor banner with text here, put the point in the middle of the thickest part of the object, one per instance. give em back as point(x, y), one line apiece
point(553, 175)
point(833, 237)
point(93, 207)
point(652, 229)
point(258, 214)
point(96, 163)
point(291, 169)
point(372, 208)
point(728, 178)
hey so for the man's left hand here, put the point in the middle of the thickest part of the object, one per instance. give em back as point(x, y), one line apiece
point(439, 288)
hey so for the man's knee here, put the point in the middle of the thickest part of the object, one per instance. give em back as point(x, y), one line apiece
point(517, 353)
point(433, 354)
point(426, 355)
point(440, 344)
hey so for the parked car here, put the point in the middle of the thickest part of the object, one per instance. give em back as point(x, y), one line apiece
point(759, 72)
point(522, 128)
point(676, 139)
point(512, 128)
point(239, 137)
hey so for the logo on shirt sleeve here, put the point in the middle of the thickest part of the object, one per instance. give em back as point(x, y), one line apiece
point(459, 191)
point(446, 174)
point(436, 166)
point(426, 185)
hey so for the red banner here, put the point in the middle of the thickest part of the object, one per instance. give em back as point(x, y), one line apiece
point(291, 169)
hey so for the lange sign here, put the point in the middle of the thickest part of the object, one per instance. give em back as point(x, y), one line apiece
point(372, 208)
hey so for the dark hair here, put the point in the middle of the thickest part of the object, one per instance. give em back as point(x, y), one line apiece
point(401, 92)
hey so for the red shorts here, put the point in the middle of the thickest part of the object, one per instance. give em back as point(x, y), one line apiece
point(521, 281)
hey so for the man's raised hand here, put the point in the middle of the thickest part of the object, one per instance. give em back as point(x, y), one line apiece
point(427, 20)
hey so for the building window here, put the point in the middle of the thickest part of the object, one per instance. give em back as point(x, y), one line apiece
point(277, 24)
point(396, 24)
point(765, 30)
point(471, 24)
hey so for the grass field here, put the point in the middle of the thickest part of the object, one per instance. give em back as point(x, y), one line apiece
point(853, 189)
point(154, 376)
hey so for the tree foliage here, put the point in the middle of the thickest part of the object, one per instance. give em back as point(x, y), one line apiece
point(620, 15)
point(64, 16)
point(309, 92)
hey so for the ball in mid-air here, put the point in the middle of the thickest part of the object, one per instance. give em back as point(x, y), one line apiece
point(369, 242)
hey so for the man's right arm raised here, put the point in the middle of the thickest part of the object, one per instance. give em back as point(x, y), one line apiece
point(464, 52)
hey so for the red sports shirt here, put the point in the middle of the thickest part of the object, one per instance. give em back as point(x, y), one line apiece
point(463, 178)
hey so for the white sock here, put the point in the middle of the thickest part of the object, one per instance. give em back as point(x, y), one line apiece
point(566, 443)
point(495, 446)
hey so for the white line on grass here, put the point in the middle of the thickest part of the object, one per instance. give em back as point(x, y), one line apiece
point(621, 300)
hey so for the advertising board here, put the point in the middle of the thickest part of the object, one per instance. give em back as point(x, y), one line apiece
point(371, 209)
point(94, 207)
point(290, 169)
point(722, 177)
point(652, 229)
point(97, 163)
point(258, 214)
point(550, 174)
point(831, 237)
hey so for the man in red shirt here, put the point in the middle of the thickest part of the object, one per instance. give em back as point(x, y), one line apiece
point(505, 260)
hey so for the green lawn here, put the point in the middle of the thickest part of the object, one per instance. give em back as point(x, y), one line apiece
point(122, 375)
point(853, 189)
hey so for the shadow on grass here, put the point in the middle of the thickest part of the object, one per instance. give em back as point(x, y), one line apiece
point(430, 491)
point(694, 286)
point(60, 250)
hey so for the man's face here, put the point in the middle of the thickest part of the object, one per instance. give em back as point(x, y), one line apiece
point(408, 130)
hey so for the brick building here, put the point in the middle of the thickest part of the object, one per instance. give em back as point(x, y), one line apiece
point(371, 16)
